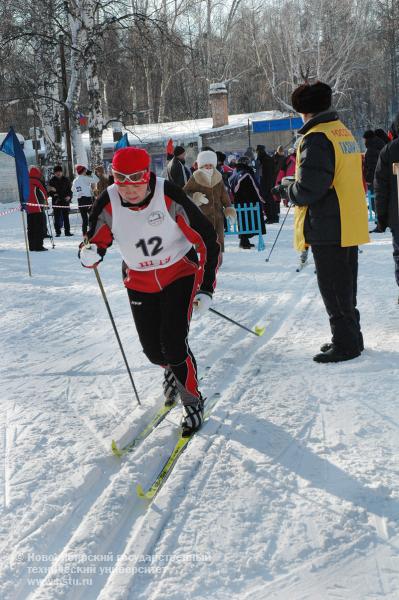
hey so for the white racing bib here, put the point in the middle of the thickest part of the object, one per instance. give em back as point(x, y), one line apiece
point(149, 238)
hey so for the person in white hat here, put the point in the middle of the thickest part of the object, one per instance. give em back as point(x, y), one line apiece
point(207, 190)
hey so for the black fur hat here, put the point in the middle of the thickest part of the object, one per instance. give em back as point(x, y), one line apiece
point(311, 98)
point(178, 150)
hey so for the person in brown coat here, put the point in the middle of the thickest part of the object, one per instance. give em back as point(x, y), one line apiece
point(207, 190)
point(102, 182)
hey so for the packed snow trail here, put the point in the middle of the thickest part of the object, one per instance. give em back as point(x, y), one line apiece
point(289, 491)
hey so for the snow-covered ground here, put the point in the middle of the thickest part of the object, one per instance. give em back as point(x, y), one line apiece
point(290, 491)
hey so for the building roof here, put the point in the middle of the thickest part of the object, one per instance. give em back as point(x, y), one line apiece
point(182, 131)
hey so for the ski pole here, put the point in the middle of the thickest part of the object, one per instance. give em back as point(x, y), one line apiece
point(50, 227)
point(279, 231)
point(26, 242)
point(100, 284)
point(258, 330)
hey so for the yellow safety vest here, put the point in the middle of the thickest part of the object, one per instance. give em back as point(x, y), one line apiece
point(347, 183)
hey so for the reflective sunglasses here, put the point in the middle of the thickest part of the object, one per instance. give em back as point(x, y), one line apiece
point(138, 177)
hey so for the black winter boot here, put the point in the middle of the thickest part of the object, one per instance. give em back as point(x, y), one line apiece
point(169, 388)
point(334, 355)
point(328, 345)
point(193, 417)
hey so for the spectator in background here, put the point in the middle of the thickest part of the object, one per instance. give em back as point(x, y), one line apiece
point(386, 195)
point(60, 188)
point(223, 169)
point(249, 153)
point(264, 168)
point(102, 182)
point(82, 191)
point(245, 190)
point(278, 158)
point(169, 150)
point(383, 135)
point(177, 170)
point(374, 145)
point(232, 161)
point(169, 157)
point(208, 192)
point(287, 169)
point(393, 129)
point(35, 210)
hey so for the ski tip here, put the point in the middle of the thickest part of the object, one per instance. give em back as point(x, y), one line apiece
point(260, 330)
point(115, 449)
point(140, 492)
point(144, 495)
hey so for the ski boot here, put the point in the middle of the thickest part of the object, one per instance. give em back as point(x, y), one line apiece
point(193, 417)
point(169, 388)
point(303, 259)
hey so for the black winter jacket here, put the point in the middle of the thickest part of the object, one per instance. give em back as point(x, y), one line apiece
point(374, 146)
point(63, 187)
point(313, 186)
point(385, 186)
point(178, 172)
point(265, 166)
point(245, 190)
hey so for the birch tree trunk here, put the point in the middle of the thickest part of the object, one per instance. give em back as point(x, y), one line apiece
point(72, 101)
point(84, 60)
point(90, 65)
point(49, 111)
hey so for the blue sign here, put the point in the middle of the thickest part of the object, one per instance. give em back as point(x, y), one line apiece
point(123, 142)
point(286, 124)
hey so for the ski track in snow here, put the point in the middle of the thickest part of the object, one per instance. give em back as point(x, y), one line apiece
point(288, 491)
point(226, 362)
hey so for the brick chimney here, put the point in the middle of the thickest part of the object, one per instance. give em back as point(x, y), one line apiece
point(218, 102)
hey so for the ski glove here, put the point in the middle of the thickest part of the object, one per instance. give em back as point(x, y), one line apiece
point(280, 190)
point(199, 198)
point(202, 302)
point(231, 213)
point(89, 257)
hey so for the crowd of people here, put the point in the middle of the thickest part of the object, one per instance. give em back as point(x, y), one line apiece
point(216, 186)
point(82, 190)
point(248, 179)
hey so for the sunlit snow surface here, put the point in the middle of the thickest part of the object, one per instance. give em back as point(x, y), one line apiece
point(289, 492)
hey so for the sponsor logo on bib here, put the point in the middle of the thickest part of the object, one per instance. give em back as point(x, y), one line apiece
point(156, 218)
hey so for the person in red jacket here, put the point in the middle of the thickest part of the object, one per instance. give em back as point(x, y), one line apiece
point(287, 170)
point(35, 210)
point(158, 229)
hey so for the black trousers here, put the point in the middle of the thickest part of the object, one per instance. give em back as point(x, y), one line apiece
point(337, 269)
point(272, 208)
point(35, 230)
point(84, 209)
point(162, 321)
point(61, 217)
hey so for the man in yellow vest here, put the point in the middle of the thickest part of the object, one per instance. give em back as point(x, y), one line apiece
point(330, 214)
